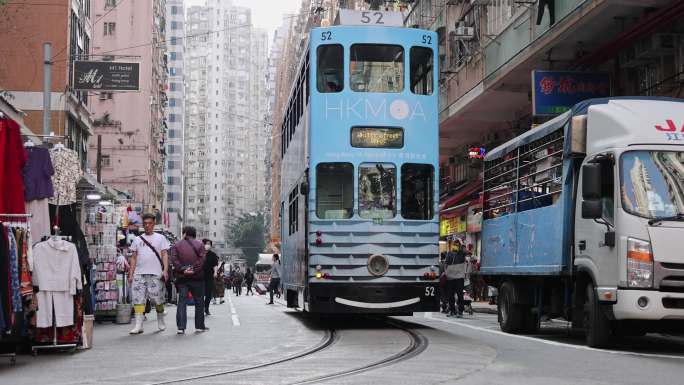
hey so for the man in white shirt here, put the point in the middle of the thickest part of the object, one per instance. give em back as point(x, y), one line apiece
point(149, 269)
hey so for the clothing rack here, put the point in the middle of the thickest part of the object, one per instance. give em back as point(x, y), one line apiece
point(15, 220)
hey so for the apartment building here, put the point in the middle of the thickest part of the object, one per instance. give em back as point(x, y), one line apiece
point(131, 124)
point(69, 26)
point(226, 121)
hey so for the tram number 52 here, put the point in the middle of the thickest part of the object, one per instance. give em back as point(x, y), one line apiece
point(427, 39)
point(371, 18)
point(430, 291)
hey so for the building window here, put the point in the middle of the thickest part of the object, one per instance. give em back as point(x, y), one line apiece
point(175, 25)
point(175, 10)
point(174, 41)
point(173, 134)
point(173, 180)
point(109, 28)
point(172, 117)
point(172, 102)
point(105, 160)
point(108, 3)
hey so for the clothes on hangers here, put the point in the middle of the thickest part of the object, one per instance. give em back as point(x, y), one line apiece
point(67, 173)
point(12, 160)
point(40, 218)
point(15, 277)
point(5, 286)
point(57, 274)
point(15, 284)
point(38, 173)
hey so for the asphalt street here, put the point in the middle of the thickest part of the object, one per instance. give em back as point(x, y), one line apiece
point(254, 343)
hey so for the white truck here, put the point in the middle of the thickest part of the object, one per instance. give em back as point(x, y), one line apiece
point(584, 220)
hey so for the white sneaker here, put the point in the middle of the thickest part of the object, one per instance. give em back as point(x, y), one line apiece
point(138, 329)
point(160, 321)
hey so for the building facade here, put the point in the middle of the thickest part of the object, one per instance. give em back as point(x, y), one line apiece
point(68, 25)
point(226, 121)
point(131, 124)
point(488, 50)
point(175, 115)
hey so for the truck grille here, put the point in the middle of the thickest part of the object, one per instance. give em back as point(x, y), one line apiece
point(669, 277)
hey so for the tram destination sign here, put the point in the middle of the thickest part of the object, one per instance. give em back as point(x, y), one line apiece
point(106, 76)
point(377, 137)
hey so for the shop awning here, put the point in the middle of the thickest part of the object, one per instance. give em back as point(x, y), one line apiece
point(461, 196)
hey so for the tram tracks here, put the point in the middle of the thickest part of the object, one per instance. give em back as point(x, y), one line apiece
point(417, 344)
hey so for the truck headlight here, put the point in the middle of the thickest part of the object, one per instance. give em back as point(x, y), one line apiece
point(639, 263)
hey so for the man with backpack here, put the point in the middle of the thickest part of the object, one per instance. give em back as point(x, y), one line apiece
point(187, 259)
point(149, 268)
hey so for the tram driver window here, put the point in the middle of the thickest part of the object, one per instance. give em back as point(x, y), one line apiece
point(377, 68)
point(377, 190)
point(417, 181)
point(330, 68)
point(334, 190)
point(421, 70)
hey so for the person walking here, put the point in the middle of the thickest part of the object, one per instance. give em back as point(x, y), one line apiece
point(237, 281)
point(276, 273)
point(249, 279)
point(210, 267)
point(149, 268)
point(455, 275)
point(219, 284)
point(187, 259)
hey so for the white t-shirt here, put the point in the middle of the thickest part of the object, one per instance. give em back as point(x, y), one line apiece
point(147, 262)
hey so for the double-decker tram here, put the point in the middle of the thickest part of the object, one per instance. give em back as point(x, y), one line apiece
point(359, 183)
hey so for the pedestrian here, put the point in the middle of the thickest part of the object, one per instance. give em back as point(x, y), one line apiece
point(219, 284)
point(455, 275)
point(187, 259)
point(149, 268)
point(237, 281)
point(276, 273)
point(210, 267)
point(249, 279)
point(443, 297)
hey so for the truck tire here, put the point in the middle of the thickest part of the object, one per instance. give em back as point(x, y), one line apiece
point(531, 321)
point(511, 315)
point(596, 323)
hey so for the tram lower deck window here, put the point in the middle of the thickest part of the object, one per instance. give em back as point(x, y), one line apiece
point(334, 190)
point(417, 186)
point(377, 190)
point(377, 68)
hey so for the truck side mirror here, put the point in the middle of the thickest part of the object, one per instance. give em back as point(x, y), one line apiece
point(591, 181)
point(592, 209)
point(304, 188)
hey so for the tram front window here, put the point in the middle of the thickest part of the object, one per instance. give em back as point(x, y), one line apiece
point(334, 190)
point(329, 68)
point(417, 181)
point(377, 190)
point(377, 68)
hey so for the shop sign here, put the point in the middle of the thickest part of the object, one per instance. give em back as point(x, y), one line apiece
point(477, 152)
point(106, 76)
point(554, 92)
point(460, 226)
point(453, 225)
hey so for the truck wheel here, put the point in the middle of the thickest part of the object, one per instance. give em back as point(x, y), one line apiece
point(511, 317)
point(531, 321)
point(596, 323)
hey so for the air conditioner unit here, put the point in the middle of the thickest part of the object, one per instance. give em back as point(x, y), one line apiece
point(657, 44)
point(465, 33)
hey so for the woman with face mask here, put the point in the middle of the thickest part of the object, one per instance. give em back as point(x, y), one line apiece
point(210, 267)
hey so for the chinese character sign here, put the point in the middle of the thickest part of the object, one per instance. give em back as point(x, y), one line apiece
point(554, 92)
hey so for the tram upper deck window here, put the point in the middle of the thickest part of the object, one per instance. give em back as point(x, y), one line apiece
point(417, 186)
point(421, 70)
point(377, 68)
point(330, 68)
point(377, 190)
point(334, 190)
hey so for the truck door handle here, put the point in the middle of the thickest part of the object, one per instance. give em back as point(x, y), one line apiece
point(582, 245)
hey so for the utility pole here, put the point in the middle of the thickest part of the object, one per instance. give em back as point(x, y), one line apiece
point(98, 162)
point(47, 93)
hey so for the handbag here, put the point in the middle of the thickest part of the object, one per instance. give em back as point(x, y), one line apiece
point(155, 253)
point(454, 271)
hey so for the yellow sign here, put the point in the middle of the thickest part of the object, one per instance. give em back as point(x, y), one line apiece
point(376, 137)
point(455, 225)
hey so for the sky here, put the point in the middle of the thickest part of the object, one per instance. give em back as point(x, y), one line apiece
point(266, 14)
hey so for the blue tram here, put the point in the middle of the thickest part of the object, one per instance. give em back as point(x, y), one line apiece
point(359, 173)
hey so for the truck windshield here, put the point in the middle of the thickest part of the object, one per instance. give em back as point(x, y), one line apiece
point(652, 183)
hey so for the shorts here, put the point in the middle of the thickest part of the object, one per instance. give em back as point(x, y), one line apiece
point(148, 287)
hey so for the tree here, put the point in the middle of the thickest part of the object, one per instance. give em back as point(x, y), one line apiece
point(248, 234)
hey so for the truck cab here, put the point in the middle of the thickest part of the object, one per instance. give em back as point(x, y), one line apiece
point(596, 242)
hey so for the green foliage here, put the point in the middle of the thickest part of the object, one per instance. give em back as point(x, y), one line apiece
point(248, 234)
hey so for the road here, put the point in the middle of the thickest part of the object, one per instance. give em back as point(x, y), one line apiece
point(254, 343)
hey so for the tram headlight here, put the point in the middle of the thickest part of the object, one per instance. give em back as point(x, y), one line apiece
point(378, 264)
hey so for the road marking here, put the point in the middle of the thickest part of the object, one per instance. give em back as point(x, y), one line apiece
point(234, 317)
point(552, 343)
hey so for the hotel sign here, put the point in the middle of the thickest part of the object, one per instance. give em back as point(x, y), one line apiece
point(106, 76)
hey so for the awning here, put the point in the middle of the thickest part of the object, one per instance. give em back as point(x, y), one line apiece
point(461, 195)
